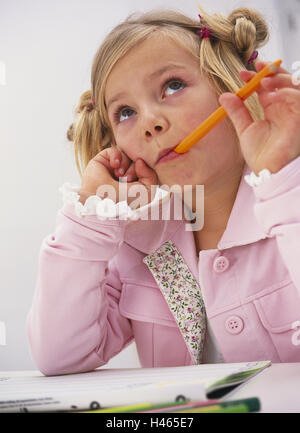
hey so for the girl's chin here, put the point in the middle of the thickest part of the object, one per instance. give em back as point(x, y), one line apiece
point(179, 176)
point(170, 182)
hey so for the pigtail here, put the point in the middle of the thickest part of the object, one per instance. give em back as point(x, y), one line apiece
point(249, 32)
point(87, 132)
point(232, 42)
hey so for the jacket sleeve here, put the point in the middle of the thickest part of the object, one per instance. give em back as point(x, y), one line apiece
point(278, 211)
point(74, 324)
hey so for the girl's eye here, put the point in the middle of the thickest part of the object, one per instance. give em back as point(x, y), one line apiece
point(123, 113)
point(174, 86)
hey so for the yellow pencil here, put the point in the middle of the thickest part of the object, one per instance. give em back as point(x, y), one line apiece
point(221, 114)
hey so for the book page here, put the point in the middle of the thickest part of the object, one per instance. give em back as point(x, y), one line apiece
point(113, 387)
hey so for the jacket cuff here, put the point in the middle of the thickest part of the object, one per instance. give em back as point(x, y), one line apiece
point(278, 183)
point(262, 177)
point(94, 205)
point(104, 209)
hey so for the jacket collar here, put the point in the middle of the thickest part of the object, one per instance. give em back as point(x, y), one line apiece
point(242, 227)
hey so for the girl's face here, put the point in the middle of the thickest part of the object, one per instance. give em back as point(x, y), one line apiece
point(156, 96)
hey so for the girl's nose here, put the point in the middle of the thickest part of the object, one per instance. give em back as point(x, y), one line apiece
point(157, 129)
point(154, 124)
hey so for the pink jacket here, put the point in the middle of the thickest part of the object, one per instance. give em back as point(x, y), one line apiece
point(103, 284)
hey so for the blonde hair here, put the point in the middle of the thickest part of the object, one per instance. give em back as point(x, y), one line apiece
point(221, 58)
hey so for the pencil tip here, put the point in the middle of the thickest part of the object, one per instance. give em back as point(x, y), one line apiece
point(278, 62)
point(273, 67)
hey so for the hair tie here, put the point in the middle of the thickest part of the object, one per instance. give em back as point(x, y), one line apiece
point(92, 105)
point(253, 57)
point(204, 33)
point(89, 107)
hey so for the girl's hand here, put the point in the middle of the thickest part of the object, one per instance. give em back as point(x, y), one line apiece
point(102, 177)
point(275, 141)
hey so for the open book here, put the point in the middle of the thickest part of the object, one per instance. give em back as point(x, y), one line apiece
point(116, 387)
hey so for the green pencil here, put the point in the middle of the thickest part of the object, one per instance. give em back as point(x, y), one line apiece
point(234, 406)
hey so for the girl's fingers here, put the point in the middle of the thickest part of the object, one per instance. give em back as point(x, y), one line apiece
point(260, 65)
point(237, 112)
point(279, 81)
point(119, 161)
point(271, 84)
point(247, 75)
point(115, 157)
point(146, 175)
point(131, 173)
point(290, 97)
point(103, 157)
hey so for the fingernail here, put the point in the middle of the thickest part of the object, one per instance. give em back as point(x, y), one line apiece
point(121, 171)
point(117, 161)
point(265, 80)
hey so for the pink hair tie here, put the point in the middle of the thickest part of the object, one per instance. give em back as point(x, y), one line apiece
point(204, 33)
point(253, 57)
point(93, 100)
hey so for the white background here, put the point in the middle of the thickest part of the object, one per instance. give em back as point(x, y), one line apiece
point(46, 52)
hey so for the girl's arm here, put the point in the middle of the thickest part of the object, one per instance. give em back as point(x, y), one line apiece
point(74, 324)
point(273, 144)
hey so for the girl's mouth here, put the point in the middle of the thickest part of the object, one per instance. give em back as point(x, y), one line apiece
point(168, 155)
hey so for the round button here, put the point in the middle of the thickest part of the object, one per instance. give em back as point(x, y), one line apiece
point(221, 264)
point(234, 324)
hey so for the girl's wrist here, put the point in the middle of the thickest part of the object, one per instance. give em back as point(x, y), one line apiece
point(83, 196)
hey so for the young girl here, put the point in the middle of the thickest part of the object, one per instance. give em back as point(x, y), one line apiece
point(227, 291)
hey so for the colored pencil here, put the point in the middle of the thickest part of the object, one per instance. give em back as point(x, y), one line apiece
point(234, 406)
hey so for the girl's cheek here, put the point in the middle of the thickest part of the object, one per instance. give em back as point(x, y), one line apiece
point(199, 110)
point(193, 118)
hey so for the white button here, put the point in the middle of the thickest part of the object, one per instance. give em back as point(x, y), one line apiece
point(221, 264)
point(234, 325)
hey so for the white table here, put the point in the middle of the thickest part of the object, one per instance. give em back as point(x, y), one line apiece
point(278, 387)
